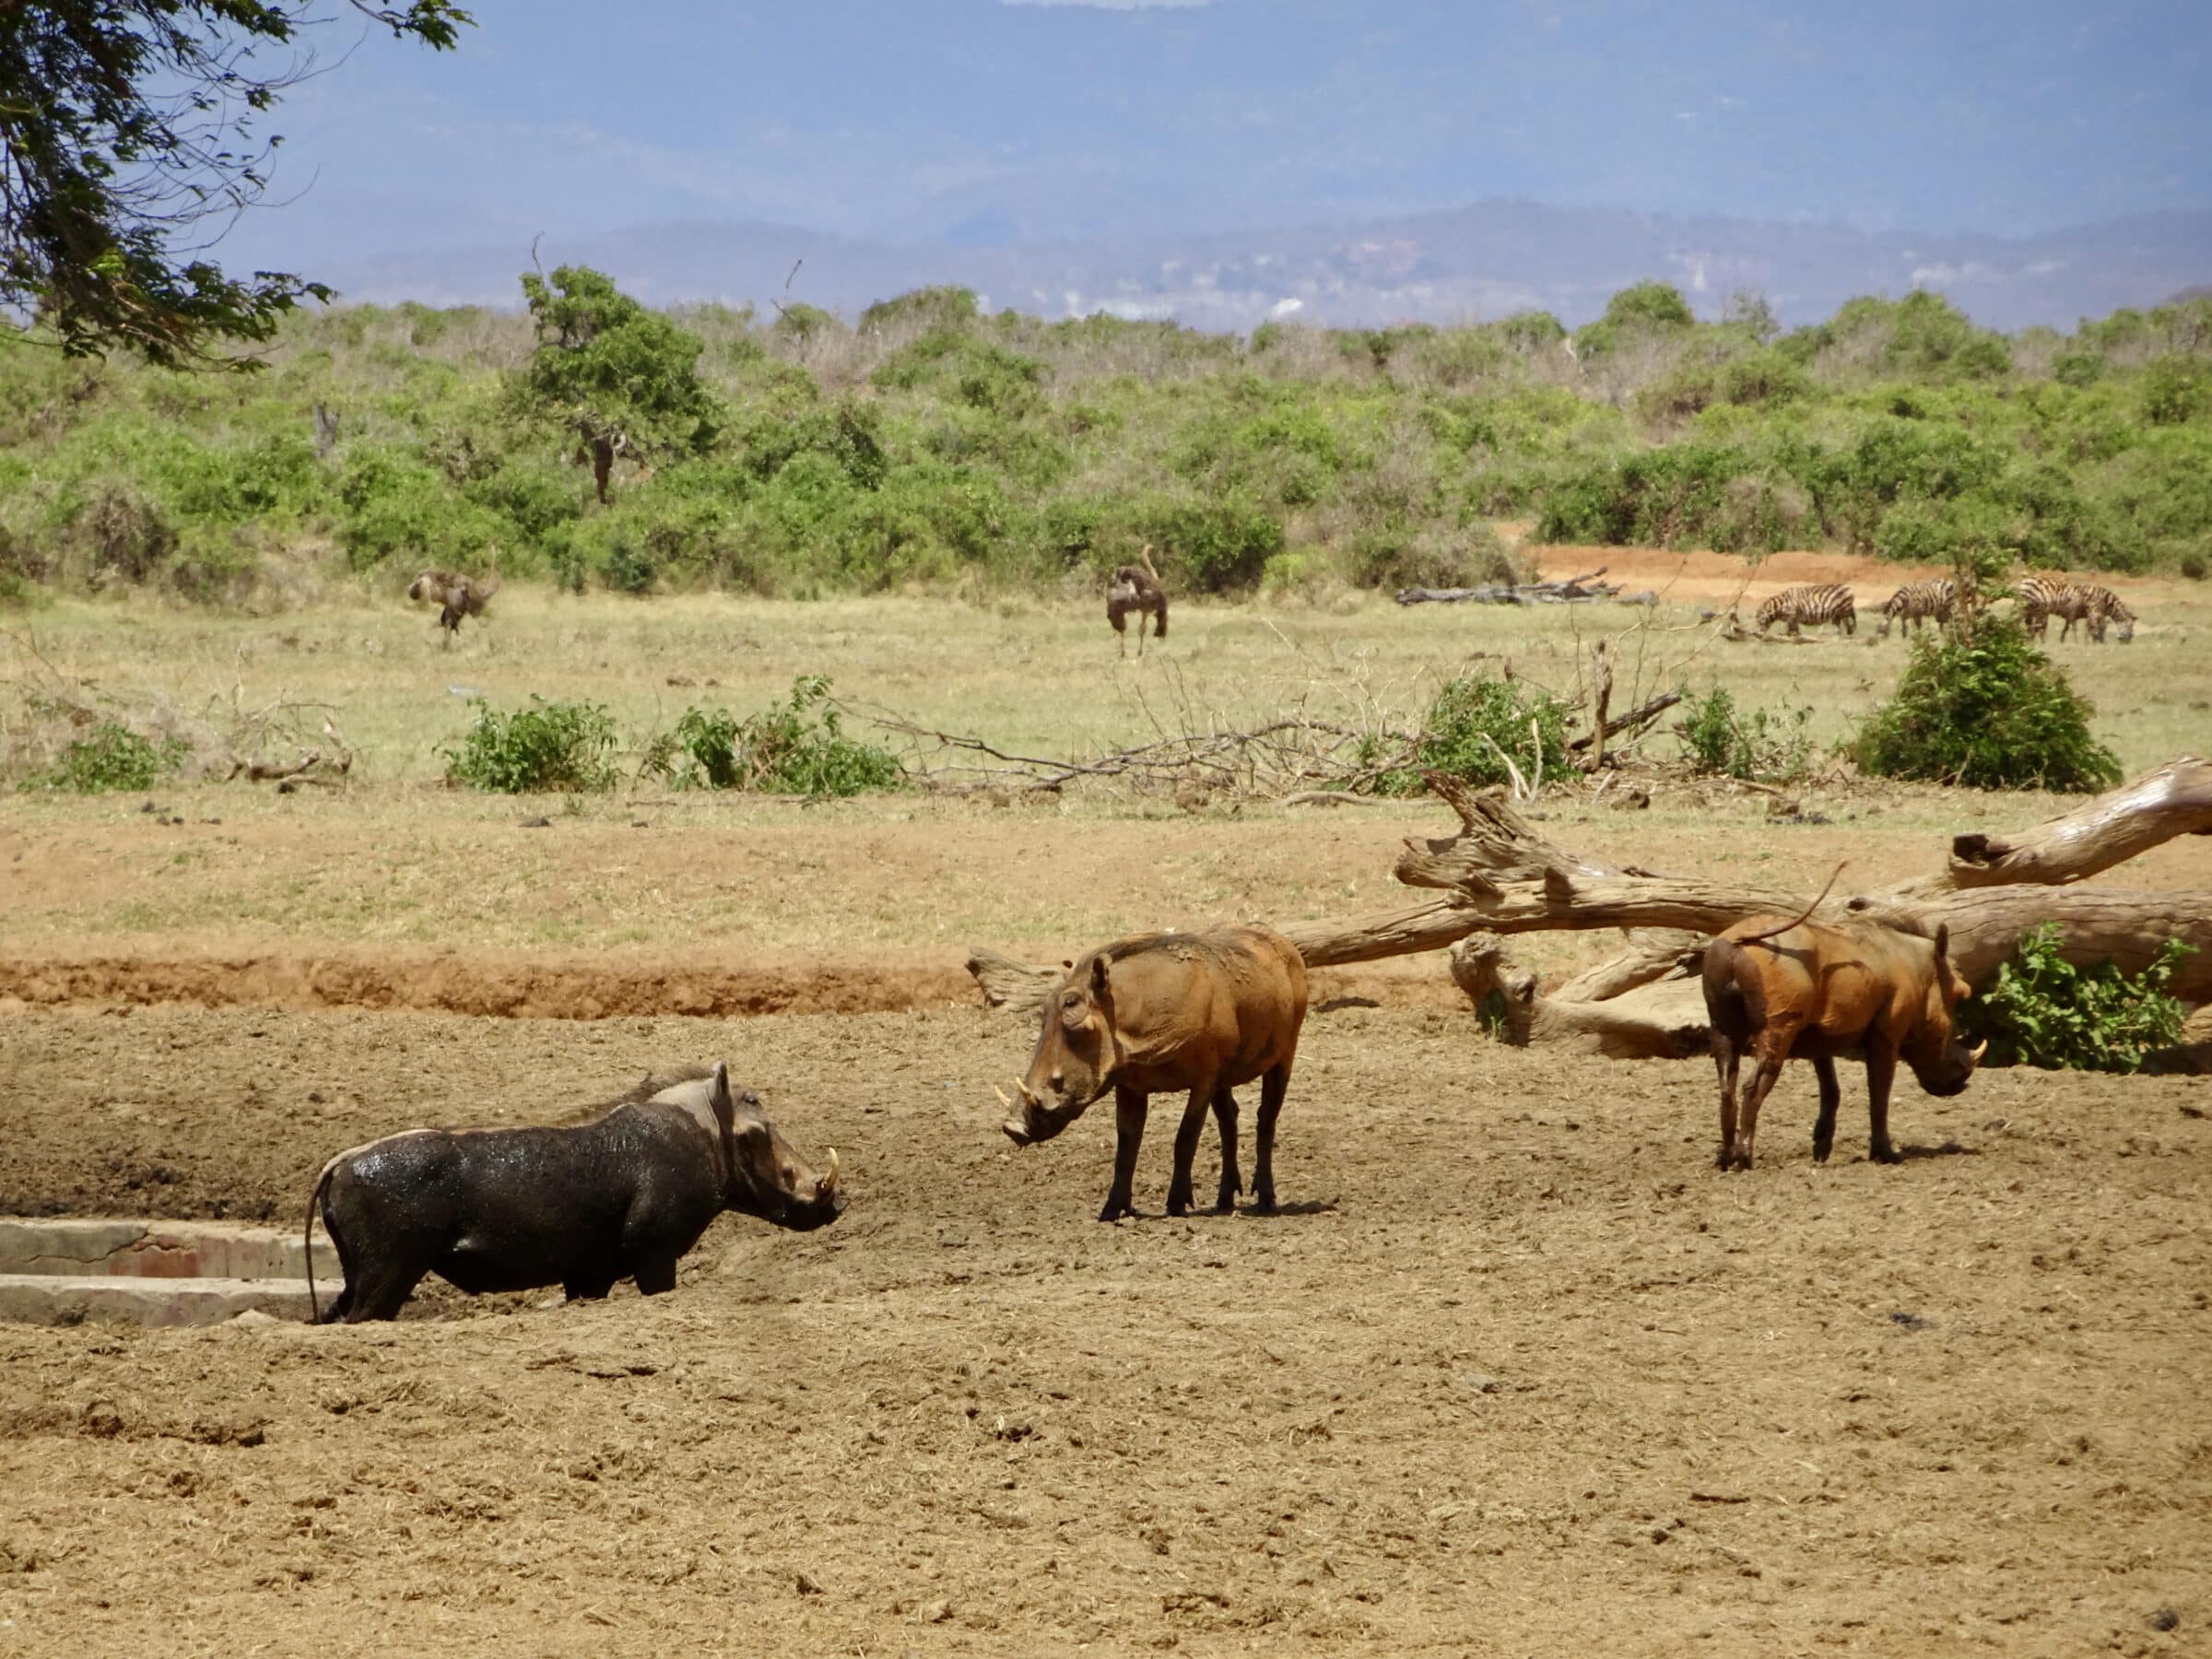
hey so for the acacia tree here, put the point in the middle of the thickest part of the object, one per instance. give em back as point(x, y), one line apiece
point(130, 145)
point(625, 379)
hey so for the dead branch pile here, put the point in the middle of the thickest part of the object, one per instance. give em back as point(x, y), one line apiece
point(285, 740)
point(1586, 589)
point(1276, 758)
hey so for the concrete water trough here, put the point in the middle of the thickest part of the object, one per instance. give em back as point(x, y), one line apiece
point(155, 1273)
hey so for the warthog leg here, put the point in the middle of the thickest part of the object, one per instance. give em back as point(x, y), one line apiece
point(1129, 1109)
point(1772, 1049)
point(1225, 1118)
point(1881, 1071)
point(1186, 1143)
point(1274, 1086)
point(1726, 1057)
point(1831, 1096)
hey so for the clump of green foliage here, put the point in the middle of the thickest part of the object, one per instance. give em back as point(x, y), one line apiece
point(548, 745)
point(2042, 1010)
point(1474, 723)
point(1988, 711)
point(1719, 741)
point(110, 757)
point(932, 444)
point(796, 746)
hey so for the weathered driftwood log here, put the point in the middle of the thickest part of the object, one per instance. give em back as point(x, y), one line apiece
point(1662, 1021)
point(1499, 877)
point(2175, 799)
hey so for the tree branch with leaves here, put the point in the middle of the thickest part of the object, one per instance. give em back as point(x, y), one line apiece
point(128, 146)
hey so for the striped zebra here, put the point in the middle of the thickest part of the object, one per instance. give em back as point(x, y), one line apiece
point(1807, 605)
point(1918, 602)
point(2100, 606)
point(2088, 603)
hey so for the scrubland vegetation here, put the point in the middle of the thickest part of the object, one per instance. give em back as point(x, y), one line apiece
point(797, 455)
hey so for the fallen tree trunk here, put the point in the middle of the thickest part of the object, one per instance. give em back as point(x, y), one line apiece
point(1501, 877)
point(2175, 799)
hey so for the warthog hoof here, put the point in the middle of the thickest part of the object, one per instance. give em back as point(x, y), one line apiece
point(1116, 1208)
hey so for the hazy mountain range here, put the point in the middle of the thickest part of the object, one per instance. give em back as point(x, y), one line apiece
point(1478, 262)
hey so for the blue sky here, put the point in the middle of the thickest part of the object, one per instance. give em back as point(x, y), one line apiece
point(986, 121)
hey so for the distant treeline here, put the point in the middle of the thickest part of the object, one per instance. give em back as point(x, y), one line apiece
point(797, 454)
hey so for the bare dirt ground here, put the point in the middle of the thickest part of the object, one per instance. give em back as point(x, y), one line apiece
point(1516, 1371)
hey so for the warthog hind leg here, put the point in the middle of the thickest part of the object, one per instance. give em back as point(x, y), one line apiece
point(1186, 1141)
point(1274, 1086)
point(1831, 1096)
point(1232, 1182)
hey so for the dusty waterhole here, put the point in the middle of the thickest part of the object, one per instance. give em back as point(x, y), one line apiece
point(1518, 1370)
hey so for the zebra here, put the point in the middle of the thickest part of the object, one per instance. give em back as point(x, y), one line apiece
point(2042, 597)
point(1810, 605)
point(2101, 605)
point(1916, 602)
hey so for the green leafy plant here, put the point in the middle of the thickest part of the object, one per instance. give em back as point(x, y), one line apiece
point(2042, 1010)
point(1475, 723)
point(1718, 740)
point(796, 746)
point(110, 757)
point(1990, 711)
point(548, 745)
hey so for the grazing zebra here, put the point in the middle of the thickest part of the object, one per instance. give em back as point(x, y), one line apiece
point(2091, 605)
point(1920, 601)
point(1809, 605)
point(2101, 606)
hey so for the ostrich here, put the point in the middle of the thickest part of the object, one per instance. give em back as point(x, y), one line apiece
point(456, 595)
point(1136, 588)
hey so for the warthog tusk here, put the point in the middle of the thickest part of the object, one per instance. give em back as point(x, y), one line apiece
point(829, 1183)
point(1027, 1097)
point(1002, 1097)
point(1976, 1052)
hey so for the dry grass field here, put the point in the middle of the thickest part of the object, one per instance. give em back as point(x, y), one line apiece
point(1516, 1370)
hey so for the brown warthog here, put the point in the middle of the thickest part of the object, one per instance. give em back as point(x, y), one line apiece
point(1202, 1012)
point(1798, 990)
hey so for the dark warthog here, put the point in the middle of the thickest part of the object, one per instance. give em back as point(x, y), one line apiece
point(622, 1196)
point(1160, 1012)
point(1788, 990)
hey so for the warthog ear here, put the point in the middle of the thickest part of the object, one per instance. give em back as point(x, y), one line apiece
point(1099, 965)
point(1943, 941)
point(720, 1094)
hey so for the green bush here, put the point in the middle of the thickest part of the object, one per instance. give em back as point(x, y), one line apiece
point(1395, 557)
point(793, 747)
point(110, 757)
point(2041, 1010)
point(1988, 711)
point(1718, 741)
point(1474, 723)
point(548, 745)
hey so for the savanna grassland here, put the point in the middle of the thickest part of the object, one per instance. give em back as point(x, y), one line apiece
point(1515, 1369)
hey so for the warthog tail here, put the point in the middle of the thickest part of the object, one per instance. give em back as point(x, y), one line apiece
point(1808, 909)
